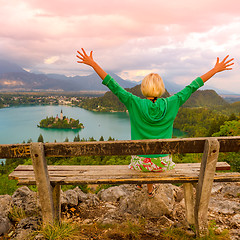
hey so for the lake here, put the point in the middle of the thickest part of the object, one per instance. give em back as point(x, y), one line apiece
point(18, 124)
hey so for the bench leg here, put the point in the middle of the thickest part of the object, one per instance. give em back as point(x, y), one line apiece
point(57, 202)
point(189, 202)
point(42, 181)
point(204, 186)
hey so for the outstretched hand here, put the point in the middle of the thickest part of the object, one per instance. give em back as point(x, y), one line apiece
point(88, 60)
point(224, 64)
point(219, 67)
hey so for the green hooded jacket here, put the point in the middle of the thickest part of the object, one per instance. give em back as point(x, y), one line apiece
point(152, 120)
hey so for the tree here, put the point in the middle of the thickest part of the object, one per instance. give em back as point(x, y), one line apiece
point(101, 138)
point(66, 139)
point(229, 128)
point(91, 139)
point(40, 138)
point(76, 138)
point(111, 139)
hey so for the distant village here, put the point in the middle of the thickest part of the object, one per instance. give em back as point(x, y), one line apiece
point(10, 100)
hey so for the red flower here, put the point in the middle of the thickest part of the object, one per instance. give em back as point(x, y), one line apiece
point(147, 160)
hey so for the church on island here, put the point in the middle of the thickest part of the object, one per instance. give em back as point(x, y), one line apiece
point(61, 122)
point(61, 117)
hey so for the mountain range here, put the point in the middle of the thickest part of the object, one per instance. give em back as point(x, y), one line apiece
point(15, 78)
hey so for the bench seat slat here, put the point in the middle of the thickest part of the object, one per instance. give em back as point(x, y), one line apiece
point(230, 177)
point(117, 174)
point(186, 168)
point(220, 166)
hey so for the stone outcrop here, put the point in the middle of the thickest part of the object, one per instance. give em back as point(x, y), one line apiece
point(138, 203)
point(5, 207)
point(26, 199)
point(123, 203)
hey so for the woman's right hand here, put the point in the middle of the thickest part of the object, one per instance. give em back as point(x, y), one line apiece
point(223, 65)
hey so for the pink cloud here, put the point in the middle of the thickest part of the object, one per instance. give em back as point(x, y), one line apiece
point(127, 35)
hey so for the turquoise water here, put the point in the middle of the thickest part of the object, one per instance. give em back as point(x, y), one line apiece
point(18, 124)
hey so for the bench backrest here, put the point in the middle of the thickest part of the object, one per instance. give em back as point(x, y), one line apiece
point(128, 147)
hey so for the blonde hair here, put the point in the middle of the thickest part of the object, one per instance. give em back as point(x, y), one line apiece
point(152, 85)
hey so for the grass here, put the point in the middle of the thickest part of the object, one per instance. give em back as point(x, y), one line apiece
point(7, 186)
point(133, 230)
point(16, 214)
point(62, 231)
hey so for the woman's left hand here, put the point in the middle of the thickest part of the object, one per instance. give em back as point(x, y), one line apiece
point(86, 59)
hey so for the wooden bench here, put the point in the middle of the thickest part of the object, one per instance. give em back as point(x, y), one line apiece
point(50, 178)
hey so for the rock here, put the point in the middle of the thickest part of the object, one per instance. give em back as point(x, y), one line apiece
point(235, 234)
point(110, 206)
point(73, 197)
point(112, 194)
point(5, 225)
point(165, 222)
point(69, 197)
point(216, 188)
point(87, 221)
point(235, 221)
point(92, 200)
point(231, 189)
point(224, 206)
point(81, 195)
point(138, 202)
point(111, 217)
point(236, 218)
point(182, 203)
point(27, 200)
point(178, 193)
point(25, 226)
point(5, 203)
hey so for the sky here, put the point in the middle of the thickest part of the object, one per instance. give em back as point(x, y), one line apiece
point(179, 39)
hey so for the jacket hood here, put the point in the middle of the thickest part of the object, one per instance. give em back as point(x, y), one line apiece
point(154, 112)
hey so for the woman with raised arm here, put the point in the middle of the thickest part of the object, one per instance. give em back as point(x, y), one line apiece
point(153, 117)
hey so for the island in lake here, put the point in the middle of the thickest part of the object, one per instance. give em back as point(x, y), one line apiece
point(61, 122)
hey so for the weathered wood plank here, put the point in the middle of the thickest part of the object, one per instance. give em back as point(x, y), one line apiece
point(57, 202)
point(127, 176)
point(114, 170)
point(189, 202)
point(128, 147)
point(233, 177)
point(221, 166)
point(14, 150)
point(204, 186)
point(43, 183)
point(92, 173)
point(218, 177)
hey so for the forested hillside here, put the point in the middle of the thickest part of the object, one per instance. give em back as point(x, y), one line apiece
point(109, 102)
point(205, 98)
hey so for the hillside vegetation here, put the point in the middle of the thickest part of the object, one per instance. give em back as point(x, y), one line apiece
point(201, 98)
point(109, 102)
point(205, 98)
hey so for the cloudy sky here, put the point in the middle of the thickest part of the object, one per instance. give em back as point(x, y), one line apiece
point(179, 39)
